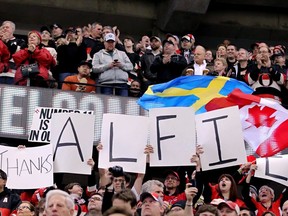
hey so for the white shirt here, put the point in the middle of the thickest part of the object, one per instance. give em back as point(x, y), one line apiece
point(198, 69)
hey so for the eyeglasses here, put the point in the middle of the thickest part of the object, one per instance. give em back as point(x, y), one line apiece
point(118, 180)
point(23, 207)
point(93, 199)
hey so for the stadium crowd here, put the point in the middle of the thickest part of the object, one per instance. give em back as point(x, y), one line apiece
point(94, 59)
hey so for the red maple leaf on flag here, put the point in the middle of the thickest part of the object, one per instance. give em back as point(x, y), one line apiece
point(261, 117)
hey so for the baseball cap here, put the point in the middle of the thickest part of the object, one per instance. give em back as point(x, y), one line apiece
point(109, 36)
point(171, 172)
point(174, 36)
point(188, 37)
point(154, 196)
point(180, 203)
point(278, 51)
point(70, 29)
point(55, 25)
point(85, 63)
point(230, 205)
point(167, 41)
point(216, 202)
point(155, 37)
point(45, 28)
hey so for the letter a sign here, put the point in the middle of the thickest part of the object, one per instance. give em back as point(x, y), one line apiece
point(72, 136)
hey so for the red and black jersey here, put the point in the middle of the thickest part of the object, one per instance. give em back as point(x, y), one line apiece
point(9, 201)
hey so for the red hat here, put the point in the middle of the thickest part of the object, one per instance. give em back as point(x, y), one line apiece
point(37, 33)
point(230, 205)
point(188, 37)
point(154, 196)
point(279, 50)
point(171, 172)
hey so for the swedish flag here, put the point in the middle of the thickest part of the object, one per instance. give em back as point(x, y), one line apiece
point(186, 91)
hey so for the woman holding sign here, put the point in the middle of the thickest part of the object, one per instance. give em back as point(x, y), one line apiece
point(226, 187)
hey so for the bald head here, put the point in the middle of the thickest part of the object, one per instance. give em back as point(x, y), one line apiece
point(199, 54)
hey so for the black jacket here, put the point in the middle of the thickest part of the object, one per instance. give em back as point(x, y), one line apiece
point(69, 56)
point(169, 71)
point(9, 201)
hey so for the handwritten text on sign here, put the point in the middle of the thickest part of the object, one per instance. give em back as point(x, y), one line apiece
point(27, 168)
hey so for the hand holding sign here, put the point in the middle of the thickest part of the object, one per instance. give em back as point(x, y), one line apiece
point(148, 150)
point(196, 158)
point(91, 163)
point(220, 132)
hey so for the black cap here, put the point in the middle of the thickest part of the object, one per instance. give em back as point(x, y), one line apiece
point(167, 41)
point(70, 29)
point(61, 36)
point(55, 25)
point(180, 203)
point(85, 63)
point(174, 36)
point(45, 28)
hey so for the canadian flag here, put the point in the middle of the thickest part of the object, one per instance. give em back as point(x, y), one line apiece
point(264, 122)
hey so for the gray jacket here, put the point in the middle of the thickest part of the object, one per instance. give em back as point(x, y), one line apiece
point(101, 64)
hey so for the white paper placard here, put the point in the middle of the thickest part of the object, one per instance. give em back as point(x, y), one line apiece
point(220, 134)
point(124, 138)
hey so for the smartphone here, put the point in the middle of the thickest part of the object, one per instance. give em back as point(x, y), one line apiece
point(193, 183)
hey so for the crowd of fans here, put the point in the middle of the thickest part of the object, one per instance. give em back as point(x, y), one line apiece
point(93, 59)
point(126, 67)
point(117, 193)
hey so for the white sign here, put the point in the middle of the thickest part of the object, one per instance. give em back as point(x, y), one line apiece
point(220, 134)
point(273, 168)
point(172, 135)
point(124, 138)
point(27, 168)
point(72, 136)
point(41, 123)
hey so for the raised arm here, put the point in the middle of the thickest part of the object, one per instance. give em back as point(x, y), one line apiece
point(190, 193)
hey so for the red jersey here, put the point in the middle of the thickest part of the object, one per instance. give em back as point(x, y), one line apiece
point(174, 198)
point(275, 206)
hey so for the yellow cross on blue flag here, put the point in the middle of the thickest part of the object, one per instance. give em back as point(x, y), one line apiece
point(195, 91)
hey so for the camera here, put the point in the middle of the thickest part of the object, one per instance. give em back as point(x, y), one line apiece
point(116, 171)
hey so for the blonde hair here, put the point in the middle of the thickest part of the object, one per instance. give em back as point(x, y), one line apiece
point(223, 60)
